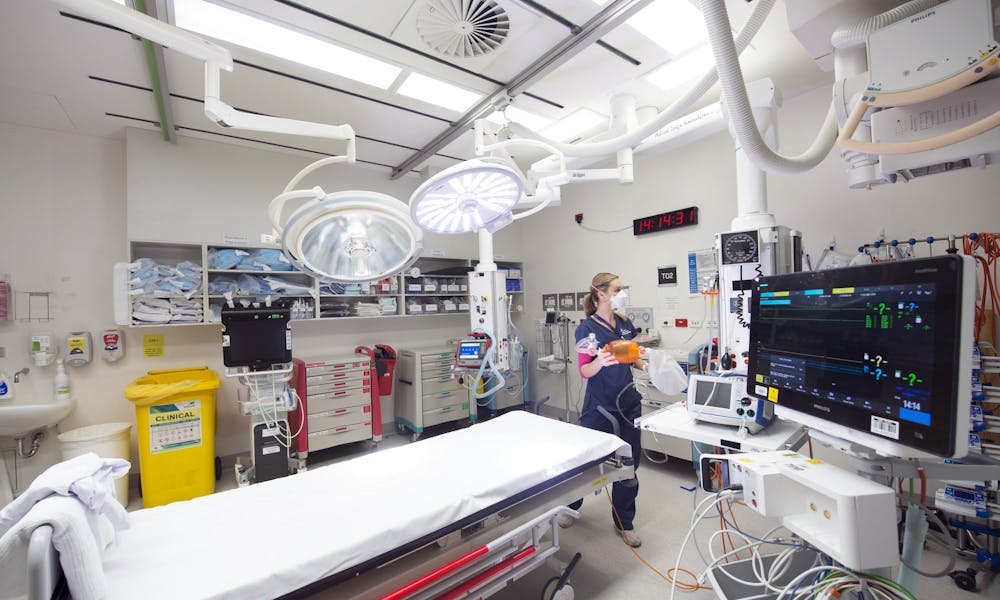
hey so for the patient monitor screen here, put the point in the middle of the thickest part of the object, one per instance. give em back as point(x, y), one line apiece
point(873, 348)
point(256, 338)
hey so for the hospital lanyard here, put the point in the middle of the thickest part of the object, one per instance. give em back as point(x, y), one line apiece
point(601, 320)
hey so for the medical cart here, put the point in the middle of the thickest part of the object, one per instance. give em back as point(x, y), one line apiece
point(428, 392)
point(335, 402)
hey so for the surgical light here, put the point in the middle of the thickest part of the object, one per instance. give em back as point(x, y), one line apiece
point(350, 236)
point(472, 195)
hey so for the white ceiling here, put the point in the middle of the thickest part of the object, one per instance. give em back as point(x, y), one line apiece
point(68, 74)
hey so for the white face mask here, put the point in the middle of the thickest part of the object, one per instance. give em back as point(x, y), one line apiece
point(619, 300)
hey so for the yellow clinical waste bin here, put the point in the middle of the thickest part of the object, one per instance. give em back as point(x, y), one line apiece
point(175, 417)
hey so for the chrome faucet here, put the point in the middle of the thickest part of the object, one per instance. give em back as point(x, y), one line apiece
point(17, 374)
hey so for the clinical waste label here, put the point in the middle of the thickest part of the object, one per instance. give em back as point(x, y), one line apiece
point(174, 426)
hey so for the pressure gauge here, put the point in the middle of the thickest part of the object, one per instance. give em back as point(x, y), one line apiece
point(740, 247)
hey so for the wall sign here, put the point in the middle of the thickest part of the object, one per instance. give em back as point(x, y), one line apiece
point(580, 296)
point(666, 275)
point(567, 301)
point(666, 221)
point(550, 302)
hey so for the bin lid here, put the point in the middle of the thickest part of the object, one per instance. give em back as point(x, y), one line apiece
point(159, 385)
point(94, 433)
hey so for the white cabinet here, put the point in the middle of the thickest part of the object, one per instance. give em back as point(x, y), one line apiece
point(426, 390)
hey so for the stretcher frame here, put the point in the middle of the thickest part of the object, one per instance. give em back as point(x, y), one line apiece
point(486, 550)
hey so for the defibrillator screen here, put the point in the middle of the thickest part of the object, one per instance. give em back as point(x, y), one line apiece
point(471, 350)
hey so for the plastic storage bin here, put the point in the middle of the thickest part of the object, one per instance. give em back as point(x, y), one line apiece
point(107, 440)
point(175, 414)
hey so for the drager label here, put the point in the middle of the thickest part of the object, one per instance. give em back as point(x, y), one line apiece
point(174, 426)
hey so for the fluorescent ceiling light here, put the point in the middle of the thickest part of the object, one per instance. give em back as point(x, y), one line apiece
point(513, 113)
point(682, 70)
point(241, 29)
point(573, 125)
point(674, 25)
point(435, 91)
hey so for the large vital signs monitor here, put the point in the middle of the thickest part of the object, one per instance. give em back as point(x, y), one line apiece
point(877, 354)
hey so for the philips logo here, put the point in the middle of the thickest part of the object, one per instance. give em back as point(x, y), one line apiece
point(825, 409)
point(926, 15)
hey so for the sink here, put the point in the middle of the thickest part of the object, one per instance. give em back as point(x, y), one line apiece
point(26, 412)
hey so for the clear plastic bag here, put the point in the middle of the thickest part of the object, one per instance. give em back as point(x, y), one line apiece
point(664, 372)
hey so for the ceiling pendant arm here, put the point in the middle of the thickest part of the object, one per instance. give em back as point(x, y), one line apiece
point(216, 59)
point(610, 17)
point(665, 116)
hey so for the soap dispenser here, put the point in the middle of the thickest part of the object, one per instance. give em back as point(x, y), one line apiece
point(6, 387)
point(62, 392)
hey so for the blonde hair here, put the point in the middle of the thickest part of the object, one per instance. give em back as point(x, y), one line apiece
point(601, 281)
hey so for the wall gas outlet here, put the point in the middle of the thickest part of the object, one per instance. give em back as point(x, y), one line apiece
point(680, 322)
point(641, 317)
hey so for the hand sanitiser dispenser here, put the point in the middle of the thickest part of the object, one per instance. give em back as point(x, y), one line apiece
point(41, 349)
point(113, 345)
point(79, 349)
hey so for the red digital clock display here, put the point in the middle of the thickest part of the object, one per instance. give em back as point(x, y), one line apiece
point(665, 221)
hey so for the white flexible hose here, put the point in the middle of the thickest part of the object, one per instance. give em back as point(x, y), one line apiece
point(847, 36)
point(674, 111)
point(738, 105)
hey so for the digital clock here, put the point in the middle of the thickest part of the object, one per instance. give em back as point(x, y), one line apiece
point(666, 221)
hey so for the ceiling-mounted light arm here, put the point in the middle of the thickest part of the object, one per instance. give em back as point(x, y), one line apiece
point(277, 205)
point(216, 60)
point(676, 109)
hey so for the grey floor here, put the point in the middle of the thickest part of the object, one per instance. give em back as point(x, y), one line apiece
point(610, 570)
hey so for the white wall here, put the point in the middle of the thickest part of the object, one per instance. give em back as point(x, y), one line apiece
point(70, 204)
point(564, 257)
point(62, 206)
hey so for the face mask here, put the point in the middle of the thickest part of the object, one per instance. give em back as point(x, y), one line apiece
point(618, 300)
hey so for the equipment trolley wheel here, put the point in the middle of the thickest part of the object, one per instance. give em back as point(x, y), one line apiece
point(965, 580)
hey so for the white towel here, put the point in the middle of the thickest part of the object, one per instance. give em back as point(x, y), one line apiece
point(87, 477)
point(76, 535)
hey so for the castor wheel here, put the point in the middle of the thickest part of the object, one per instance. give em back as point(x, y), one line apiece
point(965, 580)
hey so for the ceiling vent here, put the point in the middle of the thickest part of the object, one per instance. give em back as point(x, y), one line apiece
point(497, 38)
point(463, 28)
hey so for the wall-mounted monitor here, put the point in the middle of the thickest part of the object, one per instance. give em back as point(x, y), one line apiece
point(879, 354)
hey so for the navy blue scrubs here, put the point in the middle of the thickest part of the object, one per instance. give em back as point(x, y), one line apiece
point(603, 390)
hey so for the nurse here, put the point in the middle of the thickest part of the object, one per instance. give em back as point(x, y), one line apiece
point(611, 396)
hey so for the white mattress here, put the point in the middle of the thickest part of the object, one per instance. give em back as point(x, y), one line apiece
point(272, 538)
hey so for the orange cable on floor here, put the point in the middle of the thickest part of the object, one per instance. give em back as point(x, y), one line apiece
point(668, 577)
